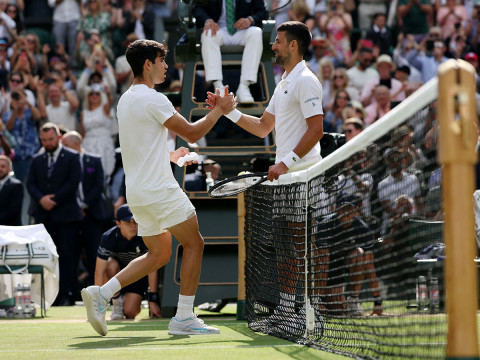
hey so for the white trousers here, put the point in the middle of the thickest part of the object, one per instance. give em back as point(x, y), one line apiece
point(251, 38)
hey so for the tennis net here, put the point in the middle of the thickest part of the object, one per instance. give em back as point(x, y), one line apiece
point(347, 256)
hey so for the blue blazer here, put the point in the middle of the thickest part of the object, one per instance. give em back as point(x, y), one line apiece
point(63, 184)
point(93, 184)
point(11, 199)
point(243, 9)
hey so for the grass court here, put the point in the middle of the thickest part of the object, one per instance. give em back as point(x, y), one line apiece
point(65, 334)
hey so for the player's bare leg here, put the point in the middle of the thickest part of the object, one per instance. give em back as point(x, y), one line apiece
point(185, 321)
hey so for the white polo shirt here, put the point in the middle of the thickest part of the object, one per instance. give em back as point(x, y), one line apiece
point(296, 98)
point(141, 113)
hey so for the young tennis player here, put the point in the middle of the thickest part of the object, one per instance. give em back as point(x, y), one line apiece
point(159, 205)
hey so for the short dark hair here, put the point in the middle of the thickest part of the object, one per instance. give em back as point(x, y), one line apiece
point(142, 50)
point(296, 30)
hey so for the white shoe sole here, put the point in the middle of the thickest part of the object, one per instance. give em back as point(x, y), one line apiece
point(182, 332)
point(97, 325)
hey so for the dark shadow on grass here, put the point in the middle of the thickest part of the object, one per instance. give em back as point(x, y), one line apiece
point(110, 342)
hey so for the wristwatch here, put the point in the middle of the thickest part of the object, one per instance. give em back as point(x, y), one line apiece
point(251, 18)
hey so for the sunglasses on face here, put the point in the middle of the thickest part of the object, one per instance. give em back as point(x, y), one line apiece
point(17, 81)
point(347, 131)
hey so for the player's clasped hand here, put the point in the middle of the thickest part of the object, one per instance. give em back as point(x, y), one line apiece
point(276, 170)
point(227, 102)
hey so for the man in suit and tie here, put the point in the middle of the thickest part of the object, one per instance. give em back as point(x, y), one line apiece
point(11, 194)
point(53, 184)
point(91, 199)
point(231, 22)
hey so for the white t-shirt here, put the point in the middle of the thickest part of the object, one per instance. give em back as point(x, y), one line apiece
point(359, 79)
point(121, 66)
point(62, 115)
point(141, 113)
point(296, 98)
point(390, 188)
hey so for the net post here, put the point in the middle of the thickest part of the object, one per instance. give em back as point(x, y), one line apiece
point(241, 257)
point(457, 142)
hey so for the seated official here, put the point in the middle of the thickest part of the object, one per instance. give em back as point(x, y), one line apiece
point(229, 22)
point(118, 247)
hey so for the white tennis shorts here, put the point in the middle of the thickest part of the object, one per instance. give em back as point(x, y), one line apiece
point(173, 209)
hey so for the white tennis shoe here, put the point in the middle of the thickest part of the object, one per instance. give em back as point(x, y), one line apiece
point(96, 306)
point(117, 308)
point(190, 326)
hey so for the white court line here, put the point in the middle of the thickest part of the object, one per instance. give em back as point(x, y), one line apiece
point(160, 348)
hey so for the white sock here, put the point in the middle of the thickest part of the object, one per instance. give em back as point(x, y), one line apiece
point(287, 300)
point(185, 307)
point(110, 288)
point(218, 84)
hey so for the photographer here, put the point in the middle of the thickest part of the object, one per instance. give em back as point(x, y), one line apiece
point(427, 61)
point(451, 17)
point(98, 69)
point(58, 111)
point(20, 121)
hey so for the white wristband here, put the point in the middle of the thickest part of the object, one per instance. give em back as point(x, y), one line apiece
point(290, 159)
point(234, 115)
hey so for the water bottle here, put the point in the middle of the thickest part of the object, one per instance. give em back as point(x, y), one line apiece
point(18, 302)
point(434, 296)
point(27, 301)
point(209, 181)
point(422, 293)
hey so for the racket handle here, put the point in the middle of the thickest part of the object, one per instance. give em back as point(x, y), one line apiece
point(193, 156)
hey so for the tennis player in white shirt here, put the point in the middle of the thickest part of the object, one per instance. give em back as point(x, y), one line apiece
point(295, 111)
point(159, 205)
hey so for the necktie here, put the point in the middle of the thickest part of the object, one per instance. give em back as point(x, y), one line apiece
point(50, 164)
point(230, 15)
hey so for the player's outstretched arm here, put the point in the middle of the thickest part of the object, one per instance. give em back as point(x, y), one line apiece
point(192, 132)
point(260, 127)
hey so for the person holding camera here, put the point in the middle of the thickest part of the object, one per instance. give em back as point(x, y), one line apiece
point(21, 121)
point(93, 18)
point(59, 111)
point(95, 125)
point(97, 69)
point(451, 17)
point(338, 24)
point(413, 17)
point(426, 61)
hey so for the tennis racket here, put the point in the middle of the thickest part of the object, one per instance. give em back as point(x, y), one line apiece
point(236, 184)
